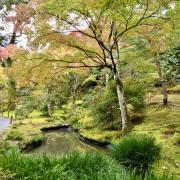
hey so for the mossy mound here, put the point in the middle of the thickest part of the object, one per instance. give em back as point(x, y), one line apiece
point(101, 136)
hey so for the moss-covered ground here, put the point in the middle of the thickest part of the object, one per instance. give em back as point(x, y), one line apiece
point(26, 131)
point(164, 124)
point(161, 122)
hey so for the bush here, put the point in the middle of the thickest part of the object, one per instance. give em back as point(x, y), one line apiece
point(136, 152)
point(135, 93)
point(3, 145)
point(25, 107)
point(37, 139)
point(15, 135)
point(81, 118)
point(43, 107)
point(76, 166)
point(22, 112)
point(104, 103)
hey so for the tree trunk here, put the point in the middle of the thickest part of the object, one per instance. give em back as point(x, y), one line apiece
point(48, 103)
point(11, 120)
point(107, 78)
point(9, 106)
point(165, 93)
point(74, 89)
point(122, 103)
point(49, 109)
point(111, 117)
point(163, 83)
point(1, 107)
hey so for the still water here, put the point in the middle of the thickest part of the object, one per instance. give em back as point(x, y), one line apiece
point(4, 123)
point(65, 141)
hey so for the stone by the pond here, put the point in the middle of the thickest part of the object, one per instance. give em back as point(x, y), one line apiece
point(164, 167)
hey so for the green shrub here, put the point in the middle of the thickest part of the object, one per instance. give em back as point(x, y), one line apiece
point(135, 93)
point(3, 145)
point(43, 108)
point(104, 103)
point(136, 152)
point(37, 139)
point(21, 112)
point(14, 135)
point(80, 117)
point(76, 166)
point(87, 100)
point(25, 107)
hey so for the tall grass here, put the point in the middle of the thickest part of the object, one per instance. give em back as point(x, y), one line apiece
point(136, 152)
point(76, 166)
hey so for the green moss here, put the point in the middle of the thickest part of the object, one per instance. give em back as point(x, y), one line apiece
point(104, 136)
point(176, 138)
point(163, 123)
point(12, 113)
point(14, 135)
point(176, 87)
point(28, 130)
point(35, 114)
point(59, 112)
point(67, 107)
point(79, 102)
point(36, 139)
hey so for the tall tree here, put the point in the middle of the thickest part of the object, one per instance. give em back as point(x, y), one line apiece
point(18, 17)
point(100, 27)
point(155, 43)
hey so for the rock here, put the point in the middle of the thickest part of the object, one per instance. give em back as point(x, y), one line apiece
point(164, 167)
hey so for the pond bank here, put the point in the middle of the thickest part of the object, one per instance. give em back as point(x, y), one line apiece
point(30, 134)
point(64, 141)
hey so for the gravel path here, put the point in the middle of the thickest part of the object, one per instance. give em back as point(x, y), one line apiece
point(4, 122)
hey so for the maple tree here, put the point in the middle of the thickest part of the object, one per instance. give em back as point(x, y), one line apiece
point(100, 27)
point(154, 38)
point(18, 16)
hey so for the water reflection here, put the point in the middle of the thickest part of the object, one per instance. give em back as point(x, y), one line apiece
point(65, 141)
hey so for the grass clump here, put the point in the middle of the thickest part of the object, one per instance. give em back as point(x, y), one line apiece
point(76, 166)
point(70, 167)
point(136, 152)
point(15, 135)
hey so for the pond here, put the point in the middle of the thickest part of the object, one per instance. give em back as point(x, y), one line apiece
point(64, 141)
point(4, 123)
